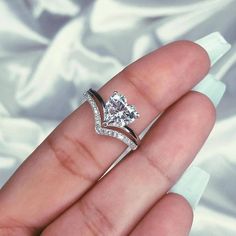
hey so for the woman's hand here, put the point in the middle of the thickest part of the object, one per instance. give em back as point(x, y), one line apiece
point(57, 190)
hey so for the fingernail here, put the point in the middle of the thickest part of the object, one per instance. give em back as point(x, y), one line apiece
point(215, 45)
point(212, 88)
point(192, 185)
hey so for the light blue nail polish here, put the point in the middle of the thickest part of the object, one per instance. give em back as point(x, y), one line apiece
point(215, 45)
point(192, 185)
point(212, 88)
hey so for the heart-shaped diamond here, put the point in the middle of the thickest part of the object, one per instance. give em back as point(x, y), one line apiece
point(117, 112)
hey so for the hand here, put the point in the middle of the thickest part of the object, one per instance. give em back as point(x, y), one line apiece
point(57, 190)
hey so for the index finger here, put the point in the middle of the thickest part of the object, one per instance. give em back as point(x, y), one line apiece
point(73, 157)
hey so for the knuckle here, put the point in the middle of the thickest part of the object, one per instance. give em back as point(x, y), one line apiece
point(12, 227)
point(95, 220)
point(70, 154)
point(151, 160)
point(13, 231)
point(62, 155)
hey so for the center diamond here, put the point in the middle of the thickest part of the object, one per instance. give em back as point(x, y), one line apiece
point(117, 112)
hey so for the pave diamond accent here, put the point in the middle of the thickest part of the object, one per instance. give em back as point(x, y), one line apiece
point(117, 112)
point(106, 131)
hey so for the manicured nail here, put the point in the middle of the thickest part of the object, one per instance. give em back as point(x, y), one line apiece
point(215, 45)
point(212, 88)
point(192, 185)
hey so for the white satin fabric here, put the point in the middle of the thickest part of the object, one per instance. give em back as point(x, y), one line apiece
point(52, 51)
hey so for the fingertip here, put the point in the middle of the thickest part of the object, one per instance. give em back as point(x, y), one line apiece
point(181, 210)
point(204, 108)
point(172, 215)
point(180, 205)
point(193, 51)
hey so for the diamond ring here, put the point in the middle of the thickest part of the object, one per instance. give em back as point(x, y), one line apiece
point(112, 117)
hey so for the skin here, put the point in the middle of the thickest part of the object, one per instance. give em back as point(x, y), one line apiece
point(57, 190)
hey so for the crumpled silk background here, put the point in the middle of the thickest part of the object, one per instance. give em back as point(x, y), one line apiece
point(52, 51)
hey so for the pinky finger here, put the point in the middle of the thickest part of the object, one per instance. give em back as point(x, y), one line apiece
point(173, 214)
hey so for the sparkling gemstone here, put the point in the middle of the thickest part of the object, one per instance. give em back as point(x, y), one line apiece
point(98, 128)
point(113, 133)
point(118, 112)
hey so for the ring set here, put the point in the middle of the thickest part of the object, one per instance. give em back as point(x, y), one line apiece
point(113, 117)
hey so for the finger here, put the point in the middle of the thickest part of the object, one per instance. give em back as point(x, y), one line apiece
point(173, 212)
point(121, 198)
point(172, 215)
point(73, 157)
